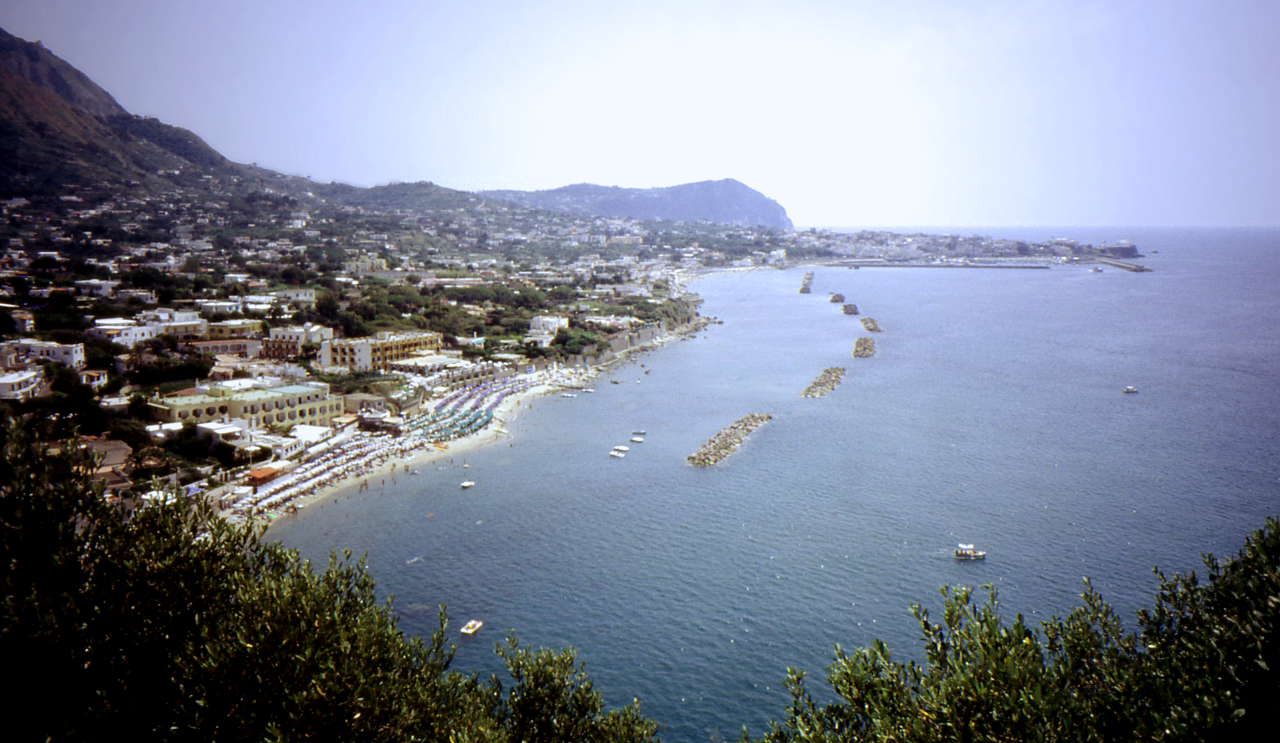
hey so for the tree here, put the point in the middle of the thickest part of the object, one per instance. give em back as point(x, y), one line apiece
point(170, 623)
point(1205, 665)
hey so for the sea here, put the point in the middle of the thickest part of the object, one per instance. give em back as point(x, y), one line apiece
point(991, 413)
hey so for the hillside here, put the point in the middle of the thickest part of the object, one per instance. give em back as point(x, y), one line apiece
point(58, 128)
point(727, 201)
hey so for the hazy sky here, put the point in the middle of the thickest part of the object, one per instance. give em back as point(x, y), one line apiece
point(846, 112)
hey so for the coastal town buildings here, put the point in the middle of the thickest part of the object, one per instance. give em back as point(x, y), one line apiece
point(377, 352)
point(29, 350)
point(306, 402)
point(291, 341)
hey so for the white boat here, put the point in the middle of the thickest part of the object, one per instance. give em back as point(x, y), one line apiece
point(620, 447)
point(588, 390)
point(1129, 390)
point(618, 454)
point(637, 433)
point(467, 484)
point(567, 394)
point(967, 552)
point(470, 628)
point(637, 439)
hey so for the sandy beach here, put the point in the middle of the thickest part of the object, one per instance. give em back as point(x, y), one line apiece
point(360, 461)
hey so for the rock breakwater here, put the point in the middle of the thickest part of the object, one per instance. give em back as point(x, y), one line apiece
point(864, 348)
point(871, 325)
point(807, 282)
point(727, 440)
point(850, 309)
point(825, 382)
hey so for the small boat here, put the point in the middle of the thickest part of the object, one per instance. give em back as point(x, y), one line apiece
point(567, 394)
point(617, 454)
point(1095, 269)
point(467, 484)
point(1129, 390)
point(637, 439)
point(637, 433)
point(472, 627)
point(967, 552)
point(622, 448)
point(588, 390)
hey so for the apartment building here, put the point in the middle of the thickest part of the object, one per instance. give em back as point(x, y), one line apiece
point(306, 402)
point(379, 351)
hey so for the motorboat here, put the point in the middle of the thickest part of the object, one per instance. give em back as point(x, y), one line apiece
point(617, 454)
point(472, 627)
point(622, 448)
point(967, 552)
point(637, 433)
point(637, 439)
point(467, 484)
point(567, 394)
point(1129, 390)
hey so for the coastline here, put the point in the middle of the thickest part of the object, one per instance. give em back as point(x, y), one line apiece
point(392, 455)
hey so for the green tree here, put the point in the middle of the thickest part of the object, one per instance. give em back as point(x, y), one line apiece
point(1203, 666)
point(169, 623)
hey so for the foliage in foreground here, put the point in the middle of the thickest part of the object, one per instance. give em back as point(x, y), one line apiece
point(171, 624)
point(1203, 665)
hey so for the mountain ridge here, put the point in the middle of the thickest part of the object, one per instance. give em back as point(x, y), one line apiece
point(59, 128)
point(727, 201)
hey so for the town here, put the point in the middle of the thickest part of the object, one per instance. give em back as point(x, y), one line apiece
point(220, 333)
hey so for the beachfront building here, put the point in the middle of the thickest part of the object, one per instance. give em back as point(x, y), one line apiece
point(543, 329)
point(290, 342)
point(377, 352)
point(306, 402)
point(27, 350)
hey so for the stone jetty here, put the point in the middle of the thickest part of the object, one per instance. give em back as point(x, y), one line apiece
point(871, 325)
point(837, 298)
point(825, 382)
point(850, 309)
point(727, 440)
point(864, 348)
point(806, 282)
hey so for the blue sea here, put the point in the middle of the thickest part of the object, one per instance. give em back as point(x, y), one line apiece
point(991, 413)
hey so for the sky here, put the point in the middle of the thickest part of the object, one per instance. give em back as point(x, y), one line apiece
point(1122, 112)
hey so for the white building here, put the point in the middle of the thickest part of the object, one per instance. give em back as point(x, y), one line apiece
point(21, 385)
point(30, 349)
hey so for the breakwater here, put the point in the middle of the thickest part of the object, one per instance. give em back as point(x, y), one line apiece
point(864, 348)
point(1126, 265)
point(825, 382)
point(807, 282)
point(850, 309)
point(870, 324)
point(836, 298)
point(727, 440)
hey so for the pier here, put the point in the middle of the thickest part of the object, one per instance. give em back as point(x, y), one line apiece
point(727, 440)
point(1126, 265)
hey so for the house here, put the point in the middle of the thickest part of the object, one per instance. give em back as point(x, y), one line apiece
point(21, 385)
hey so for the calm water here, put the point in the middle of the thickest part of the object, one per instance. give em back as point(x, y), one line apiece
point(991, 413)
